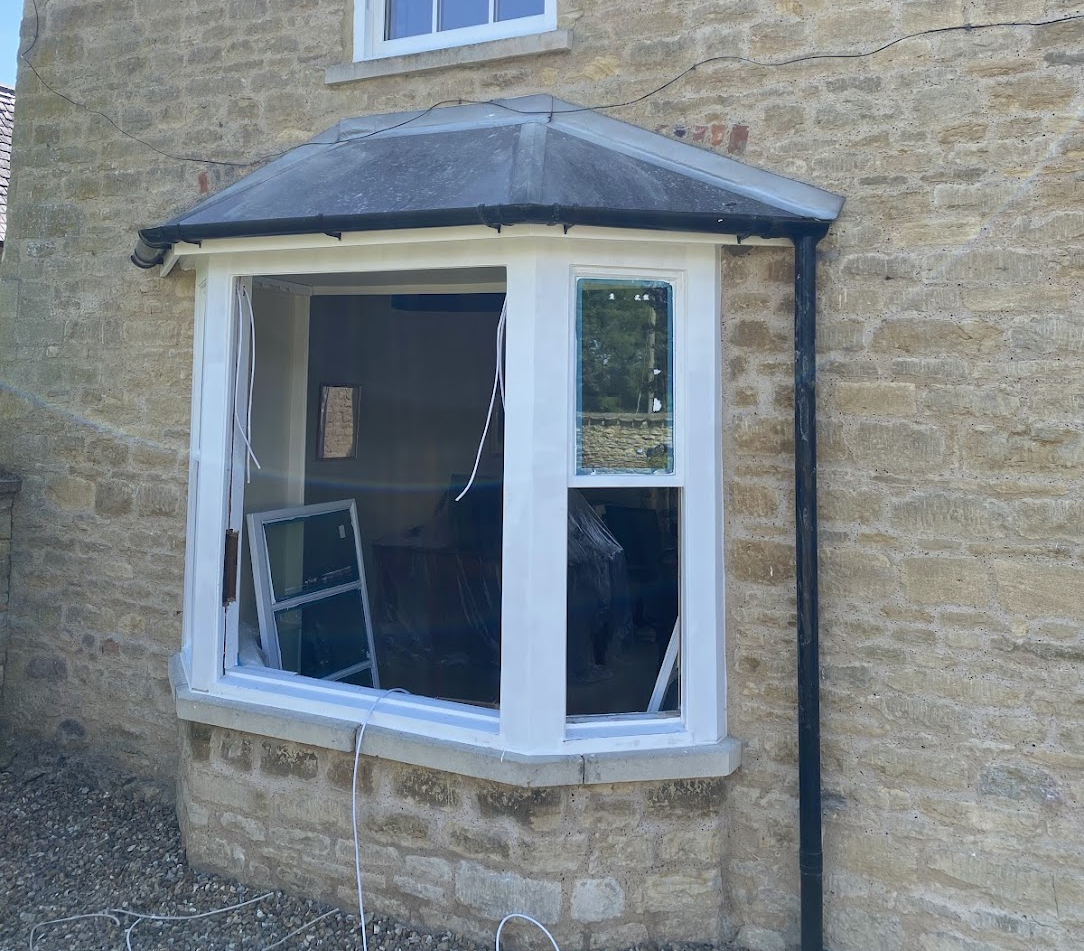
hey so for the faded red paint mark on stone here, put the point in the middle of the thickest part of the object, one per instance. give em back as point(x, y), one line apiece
point(739, 137)
point(204, 186)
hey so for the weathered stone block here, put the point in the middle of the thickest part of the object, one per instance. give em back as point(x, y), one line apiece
point(876, 399)
point(597, 899)
point(536, 808)
point(284, 759)
point(680, 892)
point(751, 938)
point(71, 493)
point(495, 894)
point(762, 562)
point(1035, 590)
point(945, 581)
point(427, 788)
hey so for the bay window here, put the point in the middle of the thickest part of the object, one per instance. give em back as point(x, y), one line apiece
point(479, 467)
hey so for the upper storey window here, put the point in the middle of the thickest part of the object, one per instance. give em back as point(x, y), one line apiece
point(399, 27)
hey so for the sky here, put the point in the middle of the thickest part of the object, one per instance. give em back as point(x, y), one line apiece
point(10, 14)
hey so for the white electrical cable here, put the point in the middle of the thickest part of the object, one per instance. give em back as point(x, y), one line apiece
point(113, 915)
point(538, 924)
point(354, 806)
point(297, 931)
point(357, 845)
point(498, 386)
point(60, 921)
point(244, 305)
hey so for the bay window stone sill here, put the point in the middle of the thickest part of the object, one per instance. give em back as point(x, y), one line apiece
point(555, 41)
point(502, 766)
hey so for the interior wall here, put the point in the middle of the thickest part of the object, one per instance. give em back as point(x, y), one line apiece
point(425, 380)
point(278, 416)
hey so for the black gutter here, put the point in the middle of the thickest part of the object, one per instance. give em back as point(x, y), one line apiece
point(810, 855)
point(155, 242)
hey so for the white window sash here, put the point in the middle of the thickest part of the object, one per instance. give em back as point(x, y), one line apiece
point(370, 19)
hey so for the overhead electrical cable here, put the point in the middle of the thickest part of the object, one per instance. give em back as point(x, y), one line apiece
point(24, 55)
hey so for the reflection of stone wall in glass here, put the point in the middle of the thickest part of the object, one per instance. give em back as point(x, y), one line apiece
point(338, 425)
point(625, 376)
point(625, 441)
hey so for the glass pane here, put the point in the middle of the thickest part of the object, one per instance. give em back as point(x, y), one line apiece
point(458, 13)
point(325, 638)
point(514, 9)
point(311, 553)
point(624, 377)
point(623, 584)
point(338, 423)
point(408, 18)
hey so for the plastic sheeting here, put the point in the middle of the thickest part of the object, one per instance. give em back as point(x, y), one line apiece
point(438, 601)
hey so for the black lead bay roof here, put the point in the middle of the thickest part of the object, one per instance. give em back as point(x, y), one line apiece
point(535, 159)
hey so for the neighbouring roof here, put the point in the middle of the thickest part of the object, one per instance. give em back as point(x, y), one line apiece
point(7, 122)
point(535, 159)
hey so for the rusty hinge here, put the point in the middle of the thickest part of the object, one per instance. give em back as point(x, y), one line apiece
point(229, 568)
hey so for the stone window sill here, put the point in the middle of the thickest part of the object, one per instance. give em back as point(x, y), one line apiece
point(514, 769)
point(555, 41)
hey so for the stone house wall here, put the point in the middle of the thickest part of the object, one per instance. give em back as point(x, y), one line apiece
point(951, 406)
point(602, 866)
point(9, 488)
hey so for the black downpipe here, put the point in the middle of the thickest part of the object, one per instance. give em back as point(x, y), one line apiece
point(810, 856)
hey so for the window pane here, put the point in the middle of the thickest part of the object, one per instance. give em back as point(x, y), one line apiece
point(408, 18)
point(311, 553)
point(514, 9)
point(623, 585)
point(624, 377)
point(458, 13)
point(326, 638)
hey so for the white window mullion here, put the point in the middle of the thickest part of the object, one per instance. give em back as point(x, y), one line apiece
point(210, 498)
point(189, 620)
point(535, 505)
point(703, 660)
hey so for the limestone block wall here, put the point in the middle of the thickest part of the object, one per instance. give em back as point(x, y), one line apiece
point(603, 867)
point(9, 488)
point(951, 408)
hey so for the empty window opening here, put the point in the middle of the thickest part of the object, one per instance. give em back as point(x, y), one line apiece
point(374, 403)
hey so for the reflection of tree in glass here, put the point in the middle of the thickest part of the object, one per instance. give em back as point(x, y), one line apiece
point(624, 346)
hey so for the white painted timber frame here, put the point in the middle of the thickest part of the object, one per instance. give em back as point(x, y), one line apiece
point(540, 264)
point(370, 17)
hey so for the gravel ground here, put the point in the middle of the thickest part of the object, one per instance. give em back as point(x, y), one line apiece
point(77, 838)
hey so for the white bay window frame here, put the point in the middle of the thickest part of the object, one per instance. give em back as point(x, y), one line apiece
point(541, 265)
point(370, 42)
